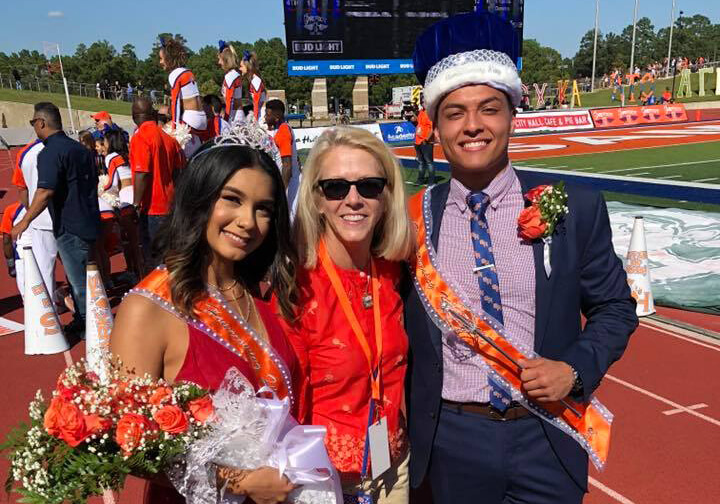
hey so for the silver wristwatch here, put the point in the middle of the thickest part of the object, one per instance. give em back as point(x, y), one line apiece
point(577, 382)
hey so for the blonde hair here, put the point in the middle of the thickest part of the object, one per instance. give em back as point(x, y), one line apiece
point(229, 58)
point(392, 237)
point(252, 64)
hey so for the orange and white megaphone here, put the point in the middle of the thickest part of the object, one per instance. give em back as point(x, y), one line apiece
point(638, 270)
point(43, 332)
point(98, 323)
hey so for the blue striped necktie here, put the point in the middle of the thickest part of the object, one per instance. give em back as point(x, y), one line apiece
point(487, 279)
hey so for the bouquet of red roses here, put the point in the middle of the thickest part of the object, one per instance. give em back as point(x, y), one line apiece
point(94, 433)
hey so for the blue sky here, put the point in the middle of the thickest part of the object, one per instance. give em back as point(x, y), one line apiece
point(26, 24)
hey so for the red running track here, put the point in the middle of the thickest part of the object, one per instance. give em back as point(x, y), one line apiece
point(596, 141)
point(654, 457)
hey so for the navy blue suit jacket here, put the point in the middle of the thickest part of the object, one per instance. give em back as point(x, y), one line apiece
point(587, 279)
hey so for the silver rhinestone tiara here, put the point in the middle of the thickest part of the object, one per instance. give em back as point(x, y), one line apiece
point(248, 133)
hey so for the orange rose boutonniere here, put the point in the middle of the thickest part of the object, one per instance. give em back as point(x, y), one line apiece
point(548, 204)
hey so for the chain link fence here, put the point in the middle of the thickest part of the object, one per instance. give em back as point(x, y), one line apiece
point(102, 92)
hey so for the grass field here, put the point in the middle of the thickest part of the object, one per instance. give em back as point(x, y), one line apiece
point(698, 162)
point(78, 102)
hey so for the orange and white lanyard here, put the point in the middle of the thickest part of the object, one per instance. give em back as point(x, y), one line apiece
point(375, 368)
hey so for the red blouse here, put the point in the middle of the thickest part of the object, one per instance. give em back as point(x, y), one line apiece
point(334, 389)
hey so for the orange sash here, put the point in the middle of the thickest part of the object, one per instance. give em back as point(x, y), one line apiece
point(213, 317)
point(591, 429)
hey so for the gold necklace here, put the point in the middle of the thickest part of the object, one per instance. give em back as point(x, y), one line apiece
point(249, 313)
point(224, 289)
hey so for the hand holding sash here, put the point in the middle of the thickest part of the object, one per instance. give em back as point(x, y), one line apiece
point(470, 327)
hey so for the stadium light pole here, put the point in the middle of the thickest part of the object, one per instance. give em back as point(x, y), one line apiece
point(597, 15)
point(672, 24)
point(632, 49)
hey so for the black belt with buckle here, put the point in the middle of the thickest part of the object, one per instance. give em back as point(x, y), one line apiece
point(513, 412)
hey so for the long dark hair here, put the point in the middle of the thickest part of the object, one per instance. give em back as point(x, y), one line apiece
point(182, 242)
point(117, 143)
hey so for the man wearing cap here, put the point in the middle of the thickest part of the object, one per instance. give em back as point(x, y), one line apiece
point(104, 123)
point(515, 425)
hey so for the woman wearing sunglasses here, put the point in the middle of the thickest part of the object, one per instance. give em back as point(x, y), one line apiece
point(353, 233)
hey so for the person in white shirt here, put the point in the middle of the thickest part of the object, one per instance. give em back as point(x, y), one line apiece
point(39, 234)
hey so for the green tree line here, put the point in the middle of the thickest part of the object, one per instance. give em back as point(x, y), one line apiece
point(693, 36)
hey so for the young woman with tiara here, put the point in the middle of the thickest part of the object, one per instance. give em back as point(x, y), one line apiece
point(203, 312)
point(250, 68)
point(232, 82)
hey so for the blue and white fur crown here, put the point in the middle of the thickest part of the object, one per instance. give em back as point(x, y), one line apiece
point(481, 66)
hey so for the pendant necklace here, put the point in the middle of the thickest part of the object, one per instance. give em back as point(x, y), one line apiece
point(367, 299)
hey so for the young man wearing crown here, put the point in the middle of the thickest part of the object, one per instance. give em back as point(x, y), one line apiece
point(502, 371)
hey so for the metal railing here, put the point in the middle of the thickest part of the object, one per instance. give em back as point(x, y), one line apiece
point(46, 85)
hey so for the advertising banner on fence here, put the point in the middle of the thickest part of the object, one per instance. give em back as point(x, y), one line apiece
point(552, 121)
point(400, 132)
point(305, 137)
point(632, 116)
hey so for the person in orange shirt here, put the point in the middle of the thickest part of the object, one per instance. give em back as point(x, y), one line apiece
point(353, 234)
point(424, 145)
point(12, 214)
point(285, 140)
point(154, 158)
point(666, 96)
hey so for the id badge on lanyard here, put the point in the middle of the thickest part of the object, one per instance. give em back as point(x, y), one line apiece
point(377, 448)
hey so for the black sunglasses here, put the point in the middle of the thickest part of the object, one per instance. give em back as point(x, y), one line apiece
point(337, 189)
point(33, 121)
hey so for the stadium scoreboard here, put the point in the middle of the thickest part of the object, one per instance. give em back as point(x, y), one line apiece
point(363, 37)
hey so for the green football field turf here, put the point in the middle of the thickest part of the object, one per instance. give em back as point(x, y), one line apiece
point(697, 162)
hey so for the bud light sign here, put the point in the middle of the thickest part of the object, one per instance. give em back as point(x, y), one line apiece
point(400, 132)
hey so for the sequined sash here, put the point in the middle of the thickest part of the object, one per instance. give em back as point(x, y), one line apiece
point(590, 427)
point(215, 318)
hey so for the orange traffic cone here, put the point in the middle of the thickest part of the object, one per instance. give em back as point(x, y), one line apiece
point(98, 323)
point(638, 270)
point(43, 332)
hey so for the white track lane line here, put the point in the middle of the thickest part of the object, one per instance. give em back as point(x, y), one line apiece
point(676, 411)
point(609, 491)
point(663, 400)
point(712, 343)
point(706, 179)
point(664, 165)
